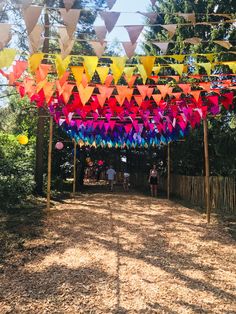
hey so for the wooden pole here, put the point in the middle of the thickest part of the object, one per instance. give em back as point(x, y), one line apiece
point(49, 163)
point(74, 181)
point(207, 171)
point(168, 171)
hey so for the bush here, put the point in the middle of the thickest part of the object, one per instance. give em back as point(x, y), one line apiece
point(16, 170)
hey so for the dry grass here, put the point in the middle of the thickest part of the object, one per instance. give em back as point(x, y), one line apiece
point(103, 253)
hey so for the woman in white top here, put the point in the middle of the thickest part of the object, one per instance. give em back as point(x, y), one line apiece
point(153, 180)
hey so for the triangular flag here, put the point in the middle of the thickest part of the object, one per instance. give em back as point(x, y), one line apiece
point(164, 89)
point(48, 90)
point(110, 19)
point(129, 71)
point(143, 89)
point(153, 2)
point(67, 90)
point(90, 65)
point(77, 72)
point(171, 28)
point(5, 34)
point(85, 93)
point(110, 3)
point(98, 47)
point(70, 18)
point(68, 4)
point(188, 17)
point(34, 61)
point(185, 87)
point(7, 56)
point(138, 99)
point(179, 68)
point(231, 65)
point(129, 48)
point(101, 32)
point(179, 58)
point(61, 65)
point(42, 72)
point(157, 69)
point(134, 31)
point(102, 73)
point(209, 56)
point(65, 42)
point(193, 40)
point(35, 38)
point(163, 46)
point(224, 43)
point(142, 72)
point(195, 94)
point(148, 63)
point(31, 15)
point(117, 67)
point(101, 99)
point(152, 16)
point(206, 66)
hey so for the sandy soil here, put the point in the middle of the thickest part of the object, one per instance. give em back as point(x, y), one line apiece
point(116, 253)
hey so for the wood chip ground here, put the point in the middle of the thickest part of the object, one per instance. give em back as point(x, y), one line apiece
point(116, 253)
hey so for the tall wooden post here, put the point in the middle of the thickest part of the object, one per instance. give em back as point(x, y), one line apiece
point(74, 181)
point(207, 171)
point(168, 171)
point(49, 163)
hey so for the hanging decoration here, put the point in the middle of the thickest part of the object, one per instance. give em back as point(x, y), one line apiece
point(59, 146)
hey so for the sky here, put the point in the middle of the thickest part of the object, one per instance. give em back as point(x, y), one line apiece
point(126, 18)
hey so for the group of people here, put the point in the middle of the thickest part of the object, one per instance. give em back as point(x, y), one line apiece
point(111, 175)
point(152, 179)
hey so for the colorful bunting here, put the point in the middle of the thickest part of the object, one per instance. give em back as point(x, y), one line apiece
point(31, 15)
point(117, 67)
point(134, 32)
point(70, 18)
point(110, 19)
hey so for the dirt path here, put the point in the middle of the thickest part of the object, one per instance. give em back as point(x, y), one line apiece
point(118, 253)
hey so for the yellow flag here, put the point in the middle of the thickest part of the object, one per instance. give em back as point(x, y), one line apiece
point(117, 67)
point(7, 56)
point(142, 72)
point(61, 65)
point(179, 68)
point(90, 65)
point(206, 66)
point(179, 58)
point(129, 71)
point(148, 63)
point(77, 72)
point(157, 69)
point(209, 56)
point(231, 65)
point(34, 61)
point(102, 73)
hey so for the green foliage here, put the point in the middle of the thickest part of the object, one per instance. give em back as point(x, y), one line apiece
point(16, 169)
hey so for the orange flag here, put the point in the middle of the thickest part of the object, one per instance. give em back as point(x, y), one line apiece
point(42, 72)
point(101, 99)
point(185, 87)
point(85, 93)
point(143, 89)
point(131, 81)
point(157, 98)
point(206, 86)
point(195, 94)
point(138, 99)
point(120, 99)
point(67, 90)
point(48, 90)
point(164, 89)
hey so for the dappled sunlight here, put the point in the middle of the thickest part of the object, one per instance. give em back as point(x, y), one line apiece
point(118, 253)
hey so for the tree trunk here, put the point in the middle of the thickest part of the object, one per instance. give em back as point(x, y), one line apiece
point(39, 163)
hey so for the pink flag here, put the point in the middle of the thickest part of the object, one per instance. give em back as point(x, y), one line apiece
point(129, 48)
point(110, 19)
point(101, 32)
point(134, 31)
point(31, 15)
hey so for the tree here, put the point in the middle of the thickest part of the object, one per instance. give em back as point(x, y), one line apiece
point(221, 130)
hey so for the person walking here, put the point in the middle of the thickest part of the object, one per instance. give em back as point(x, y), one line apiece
point(111, 173)
point(153, 180)
point(126, 181)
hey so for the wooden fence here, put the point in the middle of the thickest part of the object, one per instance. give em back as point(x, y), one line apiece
point(192, 189)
